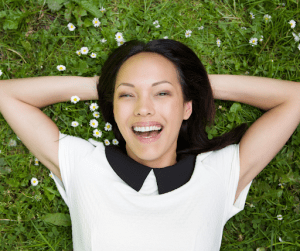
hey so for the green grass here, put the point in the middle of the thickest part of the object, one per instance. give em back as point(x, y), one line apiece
point(35, 34)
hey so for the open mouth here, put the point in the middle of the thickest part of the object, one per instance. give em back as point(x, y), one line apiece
point(148, 134)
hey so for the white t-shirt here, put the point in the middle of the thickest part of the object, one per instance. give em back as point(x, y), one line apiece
point(108, 214)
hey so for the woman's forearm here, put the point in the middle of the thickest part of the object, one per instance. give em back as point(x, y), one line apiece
point(44, 91)
point(261, 92)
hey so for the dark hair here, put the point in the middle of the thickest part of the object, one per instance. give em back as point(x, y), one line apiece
point(192, 138)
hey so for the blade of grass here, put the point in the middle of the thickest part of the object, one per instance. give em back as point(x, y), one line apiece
point(42, 236)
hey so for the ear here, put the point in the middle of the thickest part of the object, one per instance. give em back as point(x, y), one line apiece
point(188, 108)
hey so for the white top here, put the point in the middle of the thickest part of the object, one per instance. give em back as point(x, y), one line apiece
point(107, 214)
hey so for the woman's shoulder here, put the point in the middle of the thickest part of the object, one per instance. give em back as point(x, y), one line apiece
point(78, 142)
point(226, 152)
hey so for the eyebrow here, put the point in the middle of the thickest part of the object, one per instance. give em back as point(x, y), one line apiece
point(154, 84)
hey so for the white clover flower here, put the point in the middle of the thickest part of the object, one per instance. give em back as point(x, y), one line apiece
point(34, 181)
point(188, 33)
point(96, 22)
point(103, 40)
point(253, 41)
point(279, 217)
point(71, 26)
point(157, 26)
point(61, 67)
point(75, 99)
point(252, 15)
point(36, 162)
point(155, 22)
point(166, 37)
point(121, 42)
point(115, 141)
point(84, 50)
point(78, 52)
point(292, 24)
point(97, 133)
point(218, 42)
point(96, 114)
point(93, 123)
point(107, 143)
point(297, 38)
point(299, 47)
point(93, 55)
point(74, 124)
point(119, 36)
point(267, 18)
point(51, 175)
point(261, 38)
point(1, 72)
point(93, 107)
point(243, 28)
point(200, 28)
point(12, 142)
point(38, 197)
point(102, 9)
point(108, 126)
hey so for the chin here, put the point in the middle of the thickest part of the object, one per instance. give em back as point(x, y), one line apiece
point(145, 153)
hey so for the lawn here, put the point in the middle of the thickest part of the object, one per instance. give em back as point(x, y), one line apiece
point(73, 37)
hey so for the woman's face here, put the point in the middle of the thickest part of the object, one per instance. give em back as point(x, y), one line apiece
point(144, 102)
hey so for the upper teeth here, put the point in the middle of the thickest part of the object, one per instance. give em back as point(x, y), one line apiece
point(146, 129)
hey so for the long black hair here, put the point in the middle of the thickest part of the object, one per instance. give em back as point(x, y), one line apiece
point(195, 85)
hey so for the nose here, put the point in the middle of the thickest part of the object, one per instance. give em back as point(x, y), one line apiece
point(144, 107)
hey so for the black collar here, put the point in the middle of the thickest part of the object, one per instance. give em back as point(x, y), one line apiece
point(134, 173)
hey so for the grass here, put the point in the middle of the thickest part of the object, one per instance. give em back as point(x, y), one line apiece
point(35, 39)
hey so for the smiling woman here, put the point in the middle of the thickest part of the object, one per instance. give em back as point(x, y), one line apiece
point(138, 65)
point(166, 186)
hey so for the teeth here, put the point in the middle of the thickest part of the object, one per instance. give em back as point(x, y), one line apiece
point(146, 129)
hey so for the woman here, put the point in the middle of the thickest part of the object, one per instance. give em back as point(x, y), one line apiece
point(169, 189)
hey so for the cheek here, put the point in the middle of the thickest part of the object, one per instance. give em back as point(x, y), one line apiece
point(121, 115)
point(170, 108)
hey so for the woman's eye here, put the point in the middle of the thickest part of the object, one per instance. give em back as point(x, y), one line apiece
point(124, 95)
point(163, 93)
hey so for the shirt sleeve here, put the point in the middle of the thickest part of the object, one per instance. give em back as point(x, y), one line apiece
point(226, 162)
point(70, 151)
point(234, 208)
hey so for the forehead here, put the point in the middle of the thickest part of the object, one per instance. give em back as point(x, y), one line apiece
point(147, 65)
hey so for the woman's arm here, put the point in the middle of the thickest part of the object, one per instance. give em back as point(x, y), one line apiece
point(20, 103)
point(267, 135)
point(43, 91)
point(264, 93)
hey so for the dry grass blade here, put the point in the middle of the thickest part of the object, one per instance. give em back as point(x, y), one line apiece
point(18, 54)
